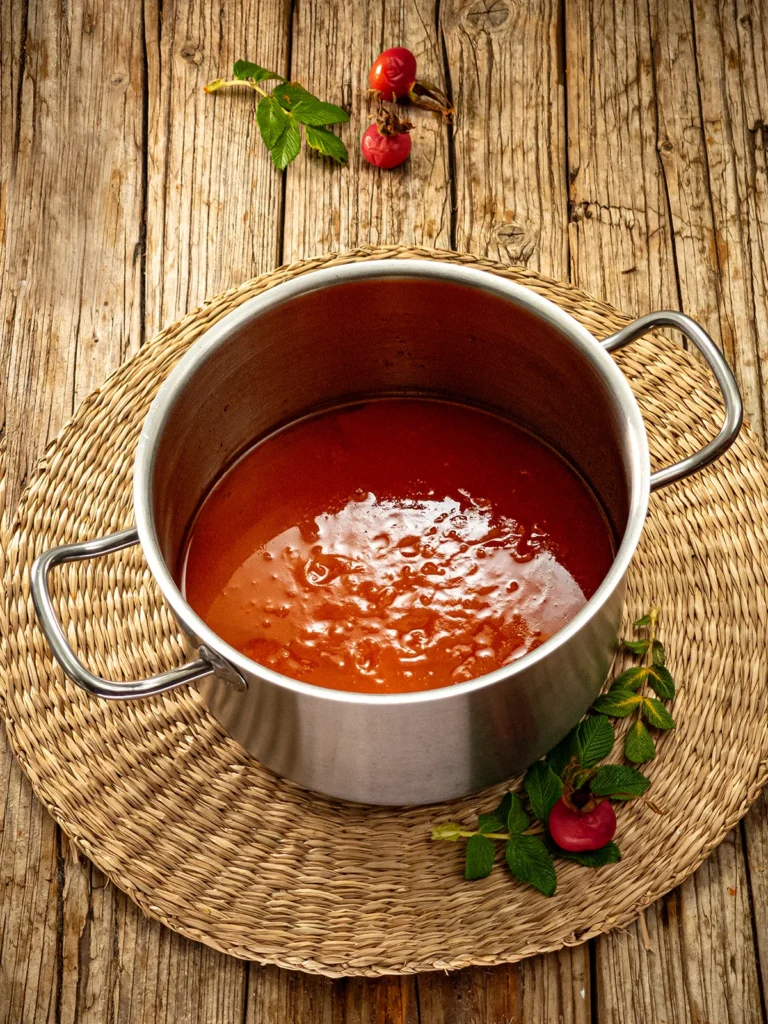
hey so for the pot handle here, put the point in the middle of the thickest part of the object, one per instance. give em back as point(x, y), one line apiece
point(722, 371)
point(57, 640)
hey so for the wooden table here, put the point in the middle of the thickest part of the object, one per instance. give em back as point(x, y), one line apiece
point(621, 146)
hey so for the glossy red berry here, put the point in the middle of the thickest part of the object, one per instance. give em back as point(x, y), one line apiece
point(393, 73)
point(577, 831)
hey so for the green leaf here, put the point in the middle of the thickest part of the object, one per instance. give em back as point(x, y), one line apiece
point(291, 93)
point(632, 678)
point(658, 654)
point(544, 789)
point(660, 680)
point(271, 119)
point(636, 646)
point(619, 781)
point(645, 621)
point(310, 110)
point(656, 714)
point(497, 821)
point(530, 862)
point(618, 702)
point(287, 146)
point(450, 831)
point(608, 854)
point(638, 745)
point(517, 819)
point(327, 143)
point(559, 756)
point(596, 739)
point(479, 860)
point(245, 70)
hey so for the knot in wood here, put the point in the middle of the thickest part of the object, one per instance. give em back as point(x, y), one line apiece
point(517, 243)
point(488, 15)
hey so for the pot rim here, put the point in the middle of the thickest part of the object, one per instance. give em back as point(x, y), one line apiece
point(172, 390)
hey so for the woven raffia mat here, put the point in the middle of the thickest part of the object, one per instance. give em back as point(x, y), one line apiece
point(212, 844)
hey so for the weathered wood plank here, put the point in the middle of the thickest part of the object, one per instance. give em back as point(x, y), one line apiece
point(214, 200)
point(71, 307)
point(619, 230)
point(545, 988)
point(508, 79)
point(71, 293)
point(213, 209)
point(643, 234)
point(29, 887)
point(731, 49)
point(328, 208)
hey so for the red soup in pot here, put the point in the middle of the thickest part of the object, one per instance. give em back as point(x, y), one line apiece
point(395, 545)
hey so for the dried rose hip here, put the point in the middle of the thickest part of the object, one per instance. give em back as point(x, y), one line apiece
point(386, 143)
point(579, 830)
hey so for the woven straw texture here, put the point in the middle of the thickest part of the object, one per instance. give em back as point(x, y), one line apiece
point(206, 840)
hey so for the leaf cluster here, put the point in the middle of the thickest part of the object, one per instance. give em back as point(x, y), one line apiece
point(573, 770)
point(290, 109)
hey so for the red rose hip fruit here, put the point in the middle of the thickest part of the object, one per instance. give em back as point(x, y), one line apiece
point(393, 73)
point(383, 150)
point(578, 831)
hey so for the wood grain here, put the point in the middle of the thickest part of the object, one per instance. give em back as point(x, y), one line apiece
point(71, 305)
point(508, 79)
point(333, 49)
point(214, 199)
point(643, 235)
point(555, 987)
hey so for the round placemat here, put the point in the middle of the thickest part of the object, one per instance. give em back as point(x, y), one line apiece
point(208, 841)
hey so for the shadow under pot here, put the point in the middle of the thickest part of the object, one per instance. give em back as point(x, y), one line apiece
point(460, 334)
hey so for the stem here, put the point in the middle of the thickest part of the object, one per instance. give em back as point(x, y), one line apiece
point(219, 83)
point(532, 831)
point(653, 615)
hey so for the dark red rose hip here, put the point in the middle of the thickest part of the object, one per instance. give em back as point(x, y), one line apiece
point(578, 831)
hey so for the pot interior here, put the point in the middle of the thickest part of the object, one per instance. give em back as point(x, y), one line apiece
point(385, 336)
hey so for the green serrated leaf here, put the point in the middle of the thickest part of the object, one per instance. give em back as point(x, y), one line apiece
point(644, 621)
point(530, 862)
point(596, 739)
point(618, 702)
point(245, 70)
point(287, 146)
point(517, 819)
point(310, 110)
point(631, 679)
point(327, 143)
point(658, 654)
point(271, 119)
point(497, 820)
point(638, 744)
point(660, 679)
point(636, 646)
point(608, 854)
point(479, 859)
point(619, 781)
point(656, 714)
point(450, 831)
point(291, 93)
point(559, 756)
point(544, 789)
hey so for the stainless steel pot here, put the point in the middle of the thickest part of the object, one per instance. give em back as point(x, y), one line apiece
point(377, 328)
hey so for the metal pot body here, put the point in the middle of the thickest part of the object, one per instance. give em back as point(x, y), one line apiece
point(391, 328)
